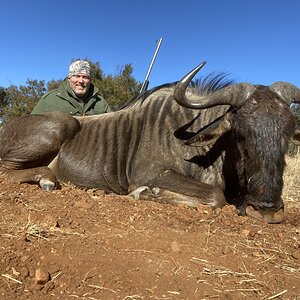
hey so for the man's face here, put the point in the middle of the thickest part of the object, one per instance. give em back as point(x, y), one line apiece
point(80, 84)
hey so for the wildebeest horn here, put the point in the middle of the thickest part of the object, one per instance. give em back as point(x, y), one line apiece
point(286, 91)
point(234, 95)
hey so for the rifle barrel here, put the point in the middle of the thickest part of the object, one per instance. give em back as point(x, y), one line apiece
point(146, 82)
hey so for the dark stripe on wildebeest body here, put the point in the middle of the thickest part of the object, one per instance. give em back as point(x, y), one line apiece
point(197, 145)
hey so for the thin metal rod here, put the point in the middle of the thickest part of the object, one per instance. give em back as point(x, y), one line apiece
point(145, 83)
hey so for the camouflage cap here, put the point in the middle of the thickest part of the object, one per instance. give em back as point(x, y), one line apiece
point(79, 67)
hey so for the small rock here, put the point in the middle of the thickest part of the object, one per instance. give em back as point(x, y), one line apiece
point(296, 254)
point(24, 272)
point(225, 250)
point(50, 221)
point(23, 237)
point(48, 287)
point(245, 232)
point(41, 276)
point(84, 204)
point(175, 247)
point(35, 287)
point(24, 258)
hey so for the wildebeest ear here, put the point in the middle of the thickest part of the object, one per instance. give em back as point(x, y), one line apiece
point(286, 91)
point(296, 137)
point(211, 132)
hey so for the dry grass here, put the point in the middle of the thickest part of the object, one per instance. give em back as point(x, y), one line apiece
point(291, 178)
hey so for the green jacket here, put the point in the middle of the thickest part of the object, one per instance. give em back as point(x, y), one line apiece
point(63, 99)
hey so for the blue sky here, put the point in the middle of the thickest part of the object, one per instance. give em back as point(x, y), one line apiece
point(253, 40)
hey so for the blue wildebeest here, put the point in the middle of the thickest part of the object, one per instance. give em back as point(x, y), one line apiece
point(182, 145)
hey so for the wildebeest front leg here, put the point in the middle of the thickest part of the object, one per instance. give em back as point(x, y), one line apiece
point(41, 175)
point(180, 189)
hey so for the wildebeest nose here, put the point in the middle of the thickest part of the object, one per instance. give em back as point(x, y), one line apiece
point(272, 205)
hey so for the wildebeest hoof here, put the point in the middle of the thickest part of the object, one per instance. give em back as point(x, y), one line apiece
point(144, 192)
point(266, 216)
point(155, 191)
point(47, 185)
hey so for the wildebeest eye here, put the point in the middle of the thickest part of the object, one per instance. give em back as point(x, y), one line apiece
point(295, 106)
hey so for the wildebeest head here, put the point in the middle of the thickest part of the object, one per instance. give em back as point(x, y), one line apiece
point(261, 123)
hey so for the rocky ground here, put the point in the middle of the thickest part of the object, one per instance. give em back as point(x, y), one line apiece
point(85, 244)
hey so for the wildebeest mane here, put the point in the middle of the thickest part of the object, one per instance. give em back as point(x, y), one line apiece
point(141, 97)
point(202, 85)
point(211, 83)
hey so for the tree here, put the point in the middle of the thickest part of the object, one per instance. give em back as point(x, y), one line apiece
point(21, 100)
point(2, 102)
point(118, 89)
point(53, 84)
point(2, 96)
point(96, 71)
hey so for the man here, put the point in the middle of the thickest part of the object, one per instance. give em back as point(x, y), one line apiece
point(76, 95)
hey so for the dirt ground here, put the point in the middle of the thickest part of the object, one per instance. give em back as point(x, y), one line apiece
point(85, 244)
